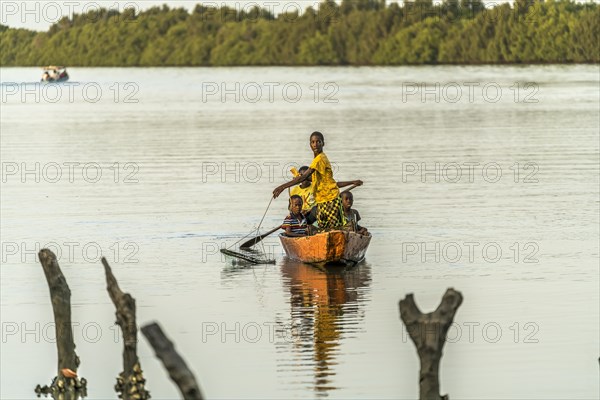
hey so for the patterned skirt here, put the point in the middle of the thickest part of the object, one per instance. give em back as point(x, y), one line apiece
point(330, 214)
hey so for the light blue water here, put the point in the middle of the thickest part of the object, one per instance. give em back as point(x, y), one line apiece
point(185, 172)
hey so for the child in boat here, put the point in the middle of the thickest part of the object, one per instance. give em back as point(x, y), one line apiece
point(325, 188)
point(351, 214)
point(305, 191)
point(295, 223)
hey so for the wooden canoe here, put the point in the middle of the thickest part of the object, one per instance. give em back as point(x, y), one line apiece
point(327, 248)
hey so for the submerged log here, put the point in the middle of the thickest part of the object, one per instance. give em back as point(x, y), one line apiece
point(130, 382)
point(66, 385)
point(428, 332)
point(176, 367)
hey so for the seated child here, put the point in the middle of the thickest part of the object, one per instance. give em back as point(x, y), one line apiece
point(305, 190)
point(352, 215)
point(295, 223)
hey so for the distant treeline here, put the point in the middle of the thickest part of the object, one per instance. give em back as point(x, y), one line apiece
point(354, 32)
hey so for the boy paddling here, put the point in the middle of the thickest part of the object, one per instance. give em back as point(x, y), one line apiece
point(326, 192)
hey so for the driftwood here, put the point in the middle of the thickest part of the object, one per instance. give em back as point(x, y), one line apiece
point(66, 385)
point(175, 365)
point(130, 382)
point(428, 332)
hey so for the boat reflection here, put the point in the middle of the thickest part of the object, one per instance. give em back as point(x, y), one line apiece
point(326, 307)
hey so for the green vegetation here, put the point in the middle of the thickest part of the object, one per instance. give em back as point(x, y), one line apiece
point(355, 32)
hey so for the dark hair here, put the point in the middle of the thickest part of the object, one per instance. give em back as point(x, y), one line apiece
point(347, 193)
point(303, 168)
point(318, 134)
point(292, 197)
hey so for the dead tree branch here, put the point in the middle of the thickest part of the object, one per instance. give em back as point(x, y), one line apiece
point(174, 364)
point(428, 332)
point(130, 382)
point(66, 384)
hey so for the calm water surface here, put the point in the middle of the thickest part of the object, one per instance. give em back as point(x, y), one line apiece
point(484, 183)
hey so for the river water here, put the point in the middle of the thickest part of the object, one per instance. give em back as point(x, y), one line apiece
point(484, 179)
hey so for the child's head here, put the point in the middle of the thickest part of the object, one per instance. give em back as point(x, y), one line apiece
point(296, 204)
point(317, 141)
point(347, 200)
point(308, 180)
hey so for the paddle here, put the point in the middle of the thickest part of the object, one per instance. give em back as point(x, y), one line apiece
point(257, 239)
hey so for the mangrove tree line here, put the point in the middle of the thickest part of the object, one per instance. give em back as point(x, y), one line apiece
point(353, 32)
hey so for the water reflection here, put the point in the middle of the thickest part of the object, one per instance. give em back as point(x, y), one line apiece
point(326, 307)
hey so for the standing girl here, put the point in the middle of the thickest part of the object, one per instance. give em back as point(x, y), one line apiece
point(326, 191)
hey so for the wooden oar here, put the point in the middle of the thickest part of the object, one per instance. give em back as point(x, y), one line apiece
point(257, 239)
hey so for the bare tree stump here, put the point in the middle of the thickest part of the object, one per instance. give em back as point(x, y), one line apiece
point(176, 367)
point(66, 385)
point(130, 383)
point(428, 332)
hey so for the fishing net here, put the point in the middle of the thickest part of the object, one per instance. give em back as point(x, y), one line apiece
point(251, 256)
point(248, 254)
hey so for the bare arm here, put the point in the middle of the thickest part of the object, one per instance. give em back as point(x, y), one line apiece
point(360, 229)
point(296, 181)
point(348, 183)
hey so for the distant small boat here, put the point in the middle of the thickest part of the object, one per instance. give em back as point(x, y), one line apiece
point(55, 74)
point(334, 247)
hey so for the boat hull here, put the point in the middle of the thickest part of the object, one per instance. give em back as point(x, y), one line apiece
point(332, 247)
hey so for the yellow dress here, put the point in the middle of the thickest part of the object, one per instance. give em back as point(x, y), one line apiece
point(325, 187)
point(327, 194)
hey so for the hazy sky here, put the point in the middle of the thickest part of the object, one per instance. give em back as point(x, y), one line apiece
point(39, 15)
